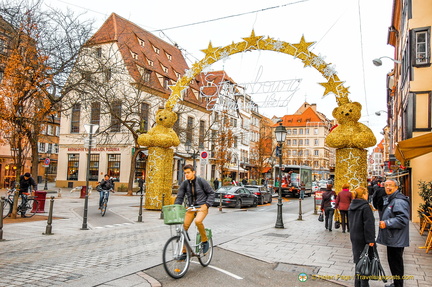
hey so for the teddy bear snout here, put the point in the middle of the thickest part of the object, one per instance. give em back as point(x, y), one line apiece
point(347, 114)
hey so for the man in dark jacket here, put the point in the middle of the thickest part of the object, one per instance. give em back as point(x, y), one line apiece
point(328, 205)
point(378, 197)
point(199, 193)
point(394, 229)
point(106, 184)
point(26, 182)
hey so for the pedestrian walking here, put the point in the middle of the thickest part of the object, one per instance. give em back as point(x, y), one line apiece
point(362, 223)
point(394, 229)
point(244, 181)
point(378, 198)
point(216, 183)
point(343, 202)
point(328, 206)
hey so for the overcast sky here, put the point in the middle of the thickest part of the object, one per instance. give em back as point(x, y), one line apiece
point(348, 34)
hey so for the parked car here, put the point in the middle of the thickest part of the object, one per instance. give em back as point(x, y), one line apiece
point(323, 184)
point(235, 196)
point(264, 195)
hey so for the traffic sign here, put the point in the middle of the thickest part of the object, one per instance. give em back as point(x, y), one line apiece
point(47, 161)
point(204, 155)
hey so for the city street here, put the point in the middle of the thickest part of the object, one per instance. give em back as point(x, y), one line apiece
point(119, 251)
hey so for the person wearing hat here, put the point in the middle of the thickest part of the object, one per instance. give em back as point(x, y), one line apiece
point(26, 182)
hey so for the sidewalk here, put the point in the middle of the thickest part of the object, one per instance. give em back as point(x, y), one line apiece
point(305, 244)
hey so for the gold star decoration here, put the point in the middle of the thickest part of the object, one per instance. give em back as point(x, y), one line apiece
point(307, 61)
point(331, 86)
point(210, 49)
point(252, 41)
point(302, 47)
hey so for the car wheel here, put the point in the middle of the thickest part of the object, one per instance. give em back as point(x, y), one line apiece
point(255, 203)
point(238, 203)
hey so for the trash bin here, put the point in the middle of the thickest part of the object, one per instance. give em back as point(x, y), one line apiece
point(40, 196)
point(83, 191)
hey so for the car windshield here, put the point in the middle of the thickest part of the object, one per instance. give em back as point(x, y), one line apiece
point(227, 189)
point(253, 188)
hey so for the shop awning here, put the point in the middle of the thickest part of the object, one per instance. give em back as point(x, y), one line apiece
point(413, 147)
point(266, 169)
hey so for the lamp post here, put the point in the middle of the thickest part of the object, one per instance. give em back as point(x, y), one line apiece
point(377, 62)
point(91, 130)
point(46, 163)
point(280, 133)
point(192, 152)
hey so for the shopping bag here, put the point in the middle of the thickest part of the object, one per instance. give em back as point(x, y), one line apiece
point(376, 270)
point(321, 217)
point(363, 266)
point(337, 224)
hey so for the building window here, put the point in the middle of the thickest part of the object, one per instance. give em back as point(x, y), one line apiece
point(316, 152)
point(288, 131)
point(95, 113)
point(144, 116)
point(146, 75)
point(99, 52)
point(306, 131)
point(50, 148)
point(116, 115)
point(94, 167)
point(165, 69)
point(288, 142)
point(168, 56)
point(134, 55)
point(41, 148)
point(56, 148)
point(306, 142)
point(315, 131)
point(166, 82)
point(75, 120)
point(50, 130)
point(157, 51)
point(294, 131)
point(73, 164)
point(294, 142)
point(189, 130)
point(300, 131)
point(114, 166)
point(201, 135)
point(108, 75)
point(141, 42)
point(300, 142)
point(150, 62)
point(316, 142)
point(294, 153)
point(421, 48)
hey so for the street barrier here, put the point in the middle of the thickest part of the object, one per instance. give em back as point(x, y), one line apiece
point(140, 208)
point(48, 230)
point(40, 196)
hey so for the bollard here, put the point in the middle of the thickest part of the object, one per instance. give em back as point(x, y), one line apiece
point(220, 201)
point(300, 210)
point(49, 223)
point(140, 208)
point(163, 199)
point(2, 200)
point(315, 206)
point(59, 193)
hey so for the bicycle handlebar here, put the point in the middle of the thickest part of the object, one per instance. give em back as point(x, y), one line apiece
point(193, 208)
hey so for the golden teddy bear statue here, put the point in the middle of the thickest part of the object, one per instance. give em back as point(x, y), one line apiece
point(159, 141)
point(350, 133)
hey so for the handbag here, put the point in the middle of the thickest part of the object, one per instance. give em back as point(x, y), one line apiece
point(376, 270)
point(363, 266)
point(321, 217)
point(337, 224)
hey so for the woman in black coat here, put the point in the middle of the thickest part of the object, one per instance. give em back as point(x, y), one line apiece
point(328, 206)
point(362, 226)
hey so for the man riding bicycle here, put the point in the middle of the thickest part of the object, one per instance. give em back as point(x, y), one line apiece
point(107, 185)
point(26, 182)
point(199, 193)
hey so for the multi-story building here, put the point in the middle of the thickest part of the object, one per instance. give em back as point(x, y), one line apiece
point(376, 161)
point(409, 96)
point(305, 142)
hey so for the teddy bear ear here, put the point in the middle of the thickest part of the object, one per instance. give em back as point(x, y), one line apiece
point(335, 112)
point(357, 104)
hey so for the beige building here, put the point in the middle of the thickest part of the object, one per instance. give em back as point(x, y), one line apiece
point(410, 96)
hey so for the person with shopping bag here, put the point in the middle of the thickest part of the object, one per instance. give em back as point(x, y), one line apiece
point(328, 206)
point(362, 228)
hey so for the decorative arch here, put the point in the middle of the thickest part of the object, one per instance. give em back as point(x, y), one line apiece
point(351, 159)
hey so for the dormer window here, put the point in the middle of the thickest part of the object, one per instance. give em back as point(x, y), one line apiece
point(168, 56)
point(134, 55)
point(157, 51)
point(150, 62)
point(141, 42)
point(165, 69)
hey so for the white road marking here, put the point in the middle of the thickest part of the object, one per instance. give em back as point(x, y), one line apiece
point(223, 271)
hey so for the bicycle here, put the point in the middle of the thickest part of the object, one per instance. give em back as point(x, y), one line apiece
point(104, 205)
point(28, 209)
point(174, 264)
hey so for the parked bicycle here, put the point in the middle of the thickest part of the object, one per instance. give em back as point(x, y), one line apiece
point(27, 205)
point(179, 250)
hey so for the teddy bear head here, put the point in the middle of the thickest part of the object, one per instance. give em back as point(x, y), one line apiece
point(166, 118)
point(348, 113)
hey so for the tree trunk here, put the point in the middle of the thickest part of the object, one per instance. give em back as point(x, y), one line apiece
point(132, 171)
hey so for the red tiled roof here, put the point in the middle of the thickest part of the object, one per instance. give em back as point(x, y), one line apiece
point(128, 37)
point(301, 120)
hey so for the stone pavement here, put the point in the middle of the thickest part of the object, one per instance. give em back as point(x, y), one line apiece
point(118, 255)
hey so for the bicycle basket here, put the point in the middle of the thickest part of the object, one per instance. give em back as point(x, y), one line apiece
point(173, 214)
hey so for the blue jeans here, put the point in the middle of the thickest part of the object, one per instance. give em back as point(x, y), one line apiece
point(101, 196)
point(328, 217)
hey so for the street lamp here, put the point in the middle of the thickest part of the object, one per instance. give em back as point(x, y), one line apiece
point(192, 152)
point(280, 133)
point(91, 130)
point(377, 62)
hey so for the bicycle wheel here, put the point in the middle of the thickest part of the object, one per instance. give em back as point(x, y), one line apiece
point(31, 207)
point(172, 251)
point(205, 259)
point(7, 208)
point(104, 206)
